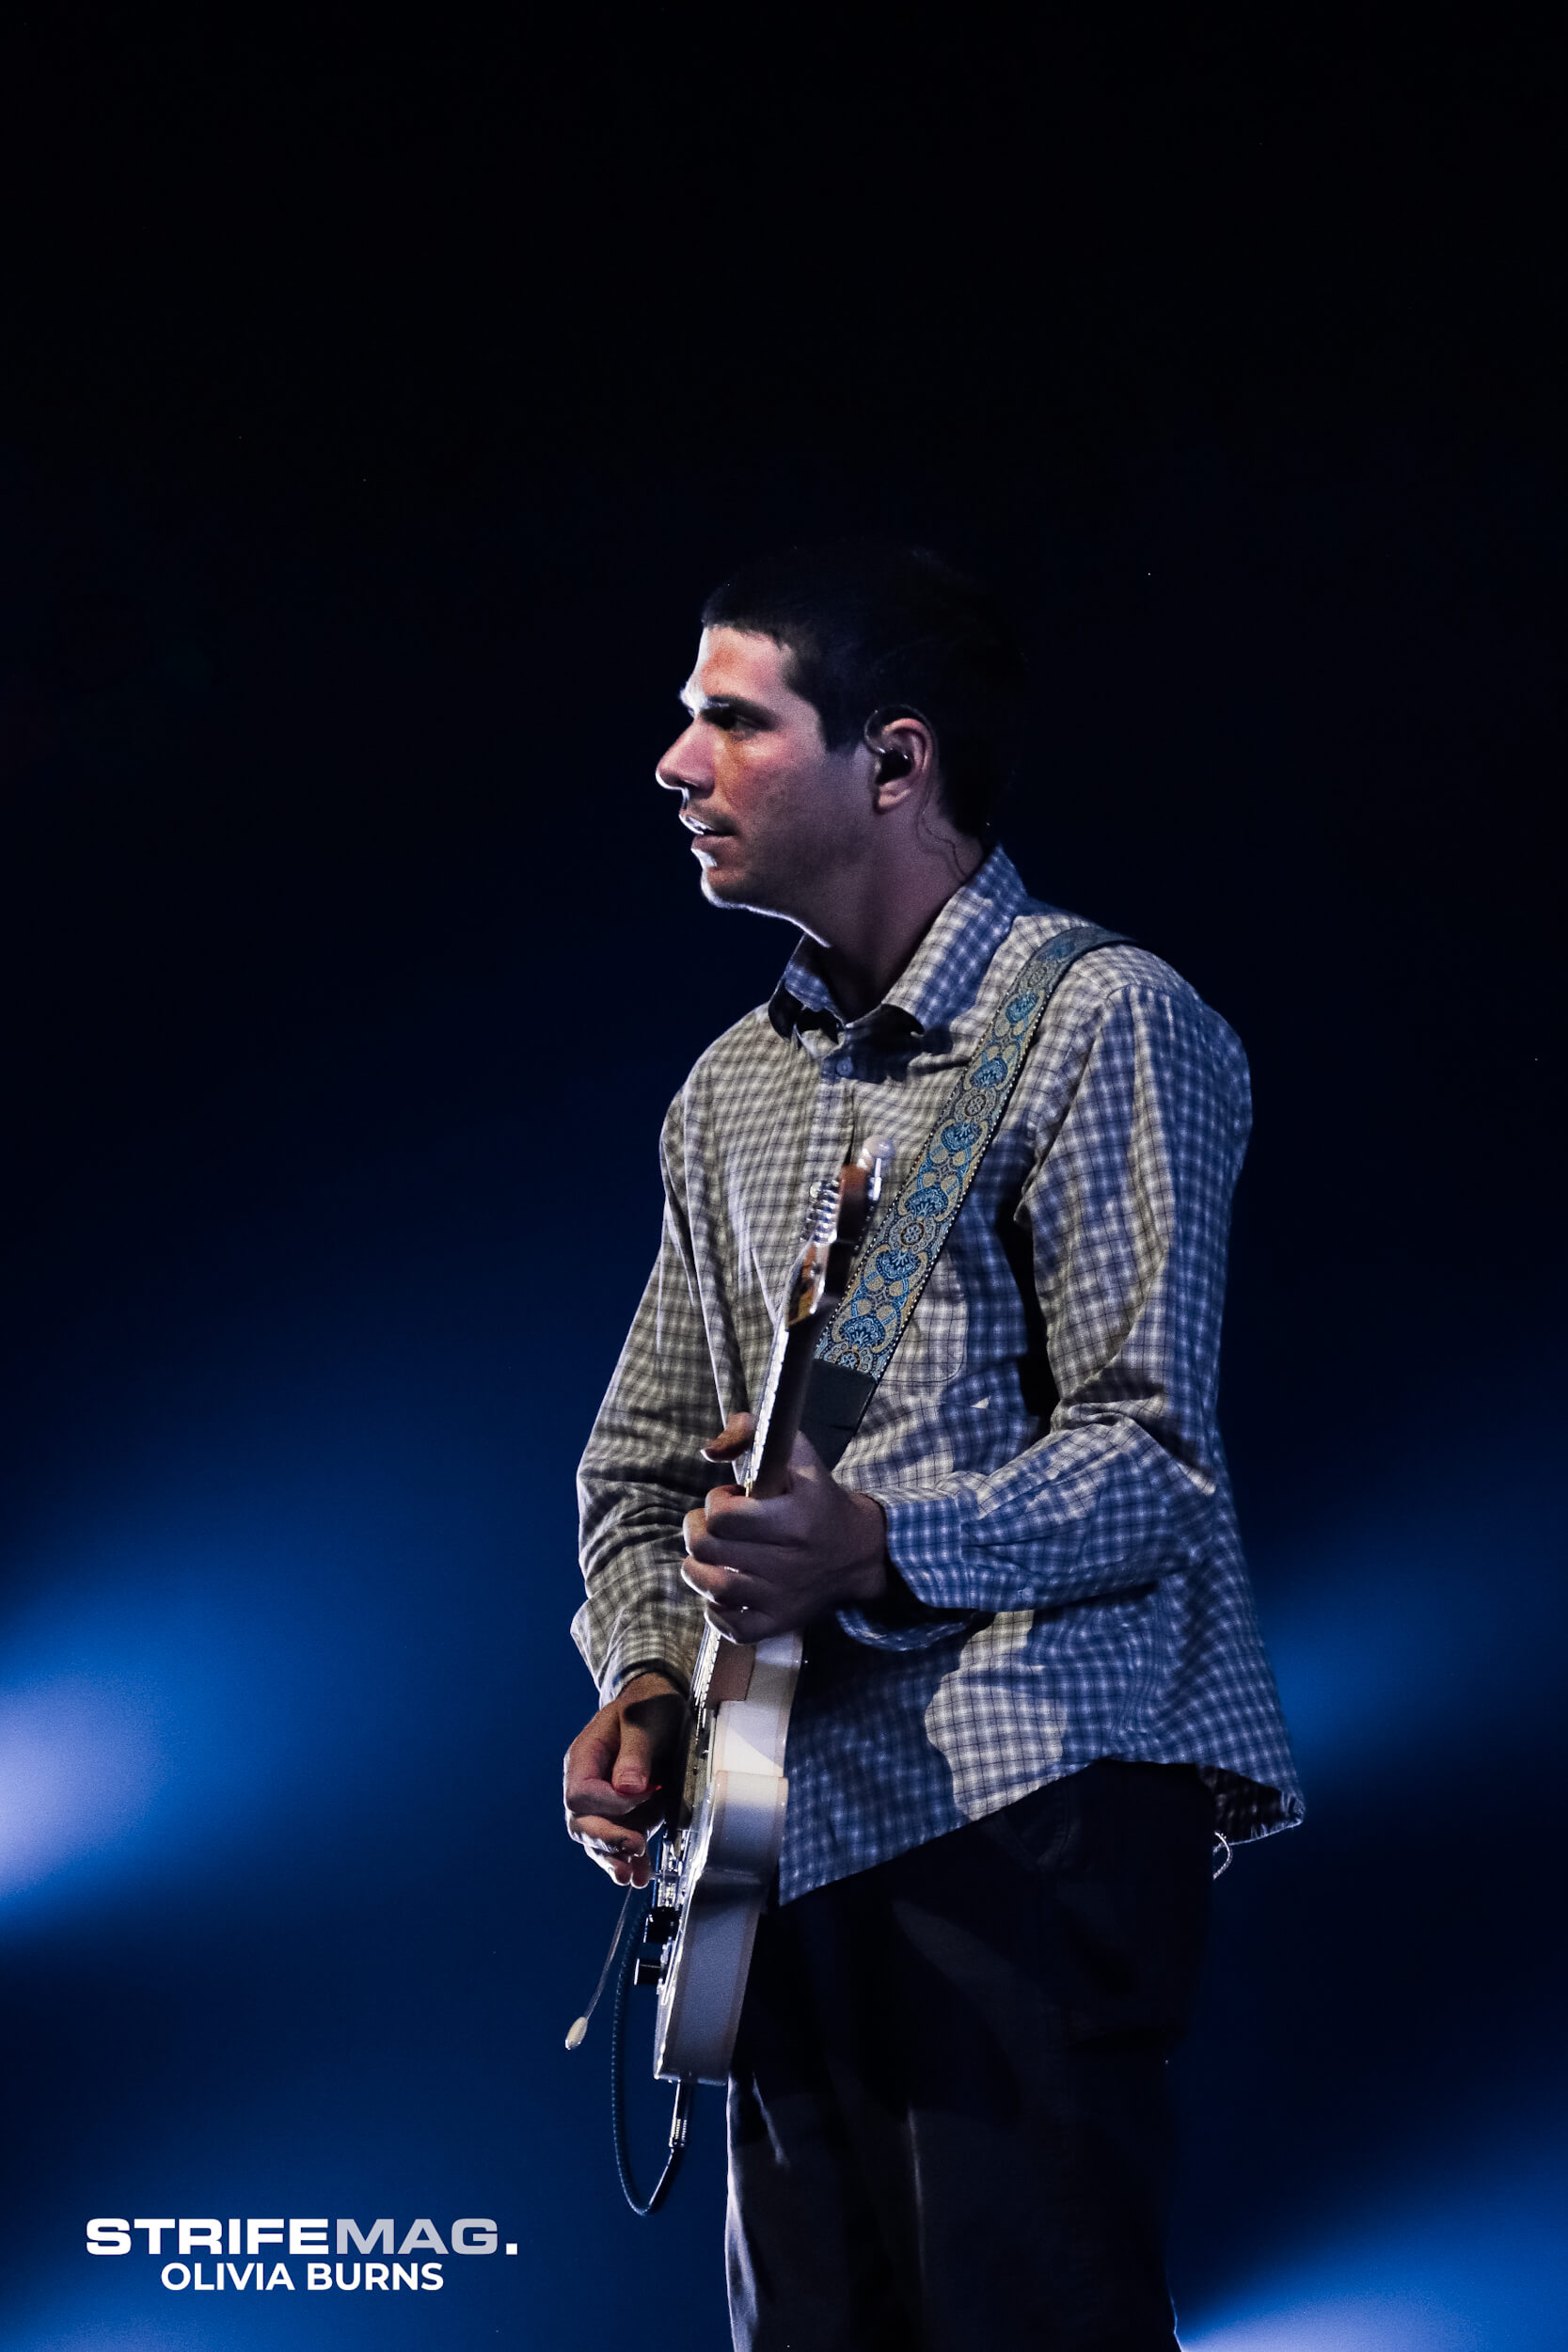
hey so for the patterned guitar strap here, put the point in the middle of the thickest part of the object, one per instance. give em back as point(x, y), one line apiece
point(895, 1263)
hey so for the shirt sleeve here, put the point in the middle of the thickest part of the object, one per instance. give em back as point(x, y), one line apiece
point(1128, 1208)
point(642, 1469)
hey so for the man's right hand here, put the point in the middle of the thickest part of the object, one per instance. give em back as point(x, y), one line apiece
point(617, 1776)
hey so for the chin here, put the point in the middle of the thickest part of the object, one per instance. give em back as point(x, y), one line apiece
point(743, 887)
point(724, 890)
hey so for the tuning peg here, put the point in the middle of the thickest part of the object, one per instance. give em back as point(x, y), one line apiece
point(875, 1158)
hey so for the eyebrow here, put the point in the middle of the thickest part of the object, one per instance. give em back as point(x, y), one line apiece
point(700, 705)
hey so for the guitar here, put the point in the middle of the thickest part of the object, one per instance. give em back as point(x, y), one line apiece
point(720, 1850)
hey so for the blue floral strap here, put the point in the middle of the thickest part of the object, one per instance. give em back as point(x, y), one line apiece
point(895, 1263)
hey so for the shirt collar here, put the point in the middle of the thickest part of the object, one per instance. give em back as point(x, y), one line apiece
point(940, 976)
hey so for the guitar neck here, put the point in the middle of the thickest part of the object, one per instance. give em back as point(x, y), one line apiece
point(724, 1668)
point(784, 1402)
point(815, 1287)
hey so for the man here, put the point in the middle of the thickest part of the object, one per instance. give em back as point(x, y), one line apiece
point(1034, 1688)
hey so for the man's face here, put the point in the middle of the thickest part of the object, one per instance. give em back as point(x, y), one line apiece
point(771, 810)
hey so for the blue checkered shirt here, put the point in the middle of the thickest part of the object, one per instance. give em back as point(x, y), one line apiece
point(1044, 1442)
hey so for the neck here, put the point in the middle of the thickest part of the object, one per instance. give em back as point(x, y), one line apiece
point(881, 917)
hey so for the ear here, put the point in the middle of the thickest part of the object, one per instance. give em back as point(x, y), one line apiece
point(901, 759)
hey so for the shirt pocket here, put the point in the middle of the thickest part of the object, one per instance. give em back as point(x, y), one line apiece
point(935, 1347)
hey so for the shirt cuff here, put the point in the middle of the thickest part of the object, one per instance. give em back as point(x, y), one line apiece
point(625, 1674)
point(654, 1642)
point(901, 1619)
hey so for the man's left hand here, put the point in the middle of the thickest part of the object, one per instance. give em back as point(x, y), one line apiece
point(766, 1567)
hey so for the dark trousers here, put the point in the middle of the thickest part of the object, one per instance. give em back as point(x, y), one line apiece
point(948, 2122)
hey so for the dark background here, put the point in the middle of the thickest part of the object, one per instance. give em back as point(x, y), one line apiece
point(379, 399)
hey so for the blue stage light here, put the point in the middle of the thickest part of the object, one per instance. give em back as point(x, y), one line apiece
point(81, 1765)
point(1478, 2263)
point(1428, 1624)
point(176, 1683)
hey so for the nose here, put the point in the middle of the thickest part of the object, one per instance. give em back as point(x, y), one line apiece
point(683, 768)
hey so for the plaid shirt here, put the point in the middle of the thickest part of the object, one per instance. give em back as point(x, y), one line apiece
point(1044, 1442)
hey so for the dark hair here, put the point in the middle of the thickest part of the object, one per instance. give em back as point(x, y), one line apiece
point(874, 631)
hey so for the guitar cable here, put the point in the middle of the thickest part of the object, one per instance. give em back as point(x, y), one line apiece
point(624, 1948)
point(680, 2119)
point(577, 2030)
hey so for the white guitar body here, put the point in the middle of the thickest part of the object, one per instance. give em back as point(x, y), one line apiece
point(715, 1876)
